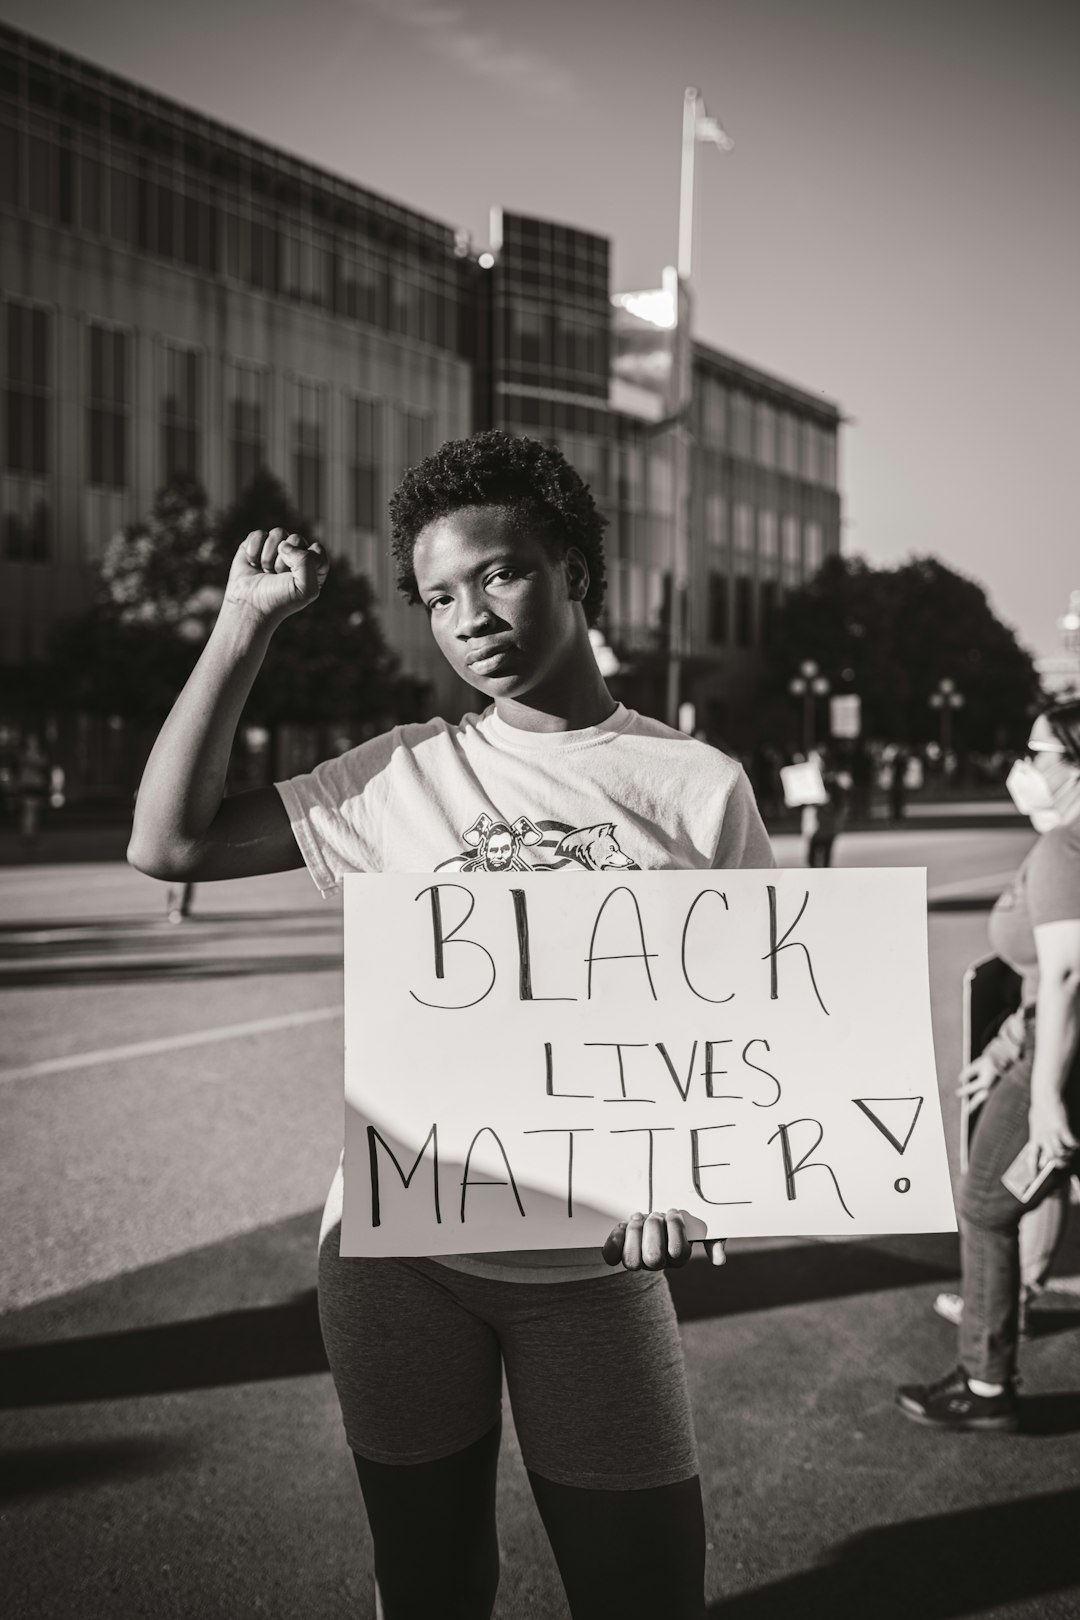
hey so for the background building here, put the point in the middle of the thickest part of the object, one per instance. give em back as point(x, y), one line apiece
point(177, 296)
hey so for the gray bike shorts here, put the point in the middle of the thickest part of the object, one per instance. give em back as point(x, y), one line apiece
point(594, 1369)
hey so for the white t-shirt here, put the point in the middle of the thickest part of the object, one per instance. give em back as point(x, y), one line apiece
point(484, 796)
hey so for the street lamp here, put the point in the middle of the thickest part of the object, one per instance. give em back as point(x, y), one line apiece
point(945, 698)
point(809, 684)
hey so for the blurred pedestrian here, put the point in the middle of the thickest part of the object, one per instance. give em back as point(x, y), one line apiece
point(822, 822)
point(1027, 1085)
point(897, 789)
point(31, 789)
point(178, 902)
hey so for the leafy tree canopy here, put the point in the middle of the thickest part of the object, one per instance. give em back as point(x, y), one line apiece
point(161, 586)
point(891, 634)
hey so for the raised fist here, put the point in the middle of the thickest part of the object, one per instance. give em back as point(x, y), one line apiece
point(275, 574)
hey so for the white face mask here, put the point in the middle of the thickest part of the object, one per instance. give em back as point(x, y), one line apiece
point(1048, 797)
point(1028, 788)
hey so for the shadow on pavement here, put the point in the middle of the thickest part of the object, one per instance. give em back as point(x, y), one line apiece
point(954, 1564)
point(965, 902)
point(797, 1274)
point(235, 1347)
point(35, 1470)
point(44, 1363)
point(100, 972)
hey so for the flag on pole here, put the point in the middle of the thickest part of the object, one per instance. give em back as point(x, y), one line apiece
point(711, 129)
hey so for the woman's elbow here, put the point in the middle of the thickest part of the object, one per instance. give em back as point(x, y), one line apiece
point(158, 861)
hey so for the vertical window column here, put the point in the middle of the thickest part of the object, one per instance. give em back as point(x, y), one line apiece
point(180, 413)
point(364, 422)
point(309, 451)
point(248, 419)
point(108, 407)
point(27, 392)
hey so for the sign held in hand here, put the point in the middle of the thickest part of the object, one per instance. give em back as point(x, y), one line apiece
point(530, 1058)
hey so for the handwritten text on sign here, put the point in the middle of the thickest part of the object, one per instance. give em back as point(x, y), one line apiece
point(531, 1057)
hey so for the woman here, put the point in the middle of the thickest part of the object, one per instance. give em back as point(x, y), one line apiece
point(1031, 1087)
point(500, 542)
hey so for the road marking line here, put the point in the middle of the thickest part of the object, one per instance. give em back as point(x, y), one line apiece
point(170, 1043)
point(990, 882)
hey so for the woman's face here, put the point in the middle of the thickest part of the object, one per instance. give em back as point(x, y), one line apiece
point(504, 609)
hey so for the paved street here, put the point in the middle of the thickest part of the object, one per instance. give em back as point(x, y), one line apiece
point(170, 1439)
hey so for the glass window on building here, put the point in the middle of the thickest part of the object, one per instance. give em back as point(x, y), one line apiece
point(91, 195)
point(768, 605)
point(631, 477)
point(718, 608)
point(714, 414)
point(827, 457)
point(768, 546)
point(43, 176)
point(309, 450)
point(788, 447)
point(744, 611)
point(661, 485)
point(638, 615)
point(527, 333)
point(591, 461)
point(791, 552)
point(744, 539)
point(9, 166)
point(814, 548)
point(417, 435)
point(715, 520)
point(249, 425)
point(27, 390)
point(364, 424)
point(809, 456)
point(654, 585)
point(122, 207)
point(108, 406)
point(181, 413)
point(766, 434)
point(742, 425)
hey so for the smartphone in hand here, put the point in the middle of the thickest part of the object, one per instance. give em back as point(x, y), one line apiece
point(1023, 1178)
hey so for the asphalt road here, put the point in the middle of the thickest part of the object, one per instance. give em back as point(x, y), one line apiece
point(169, 1439)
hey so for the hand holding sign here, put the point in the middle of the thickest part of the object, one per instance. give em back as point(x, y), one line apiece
point(657, 1242)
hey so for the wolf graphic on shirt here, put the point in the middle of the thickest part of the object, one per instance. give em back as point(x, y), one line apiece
point(495, 845)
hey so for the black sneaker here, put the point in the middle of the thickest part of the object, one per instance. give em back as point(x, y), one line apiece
point(951, 1403)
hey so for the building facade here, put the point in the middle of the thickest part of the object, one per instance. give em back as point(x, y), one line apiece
point(759, 456)
point(176, 296)
point(179, 297)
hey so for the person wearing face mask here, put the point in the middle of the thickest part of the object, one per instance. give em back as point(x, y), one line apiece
point(1030, 1079)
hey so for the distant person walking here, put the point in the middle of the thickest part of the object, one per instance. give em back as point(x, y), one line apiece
point(31, 789)
point(822, 822)
point(1030, 1080)
point(897, 784)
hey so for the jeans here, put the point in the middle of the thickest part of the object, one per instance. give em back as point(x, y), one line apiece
point(990, 1218)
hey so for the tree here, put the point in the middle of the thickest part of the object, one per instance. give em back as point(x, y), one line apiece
point(332, 661)
point(891, 635)
point(161, 586)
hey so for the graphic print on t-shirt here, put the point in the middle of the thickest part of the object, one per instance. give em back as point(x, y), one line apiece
point(496, 846)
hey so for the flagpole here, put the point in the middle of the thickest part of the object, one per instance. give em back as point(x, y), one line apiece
point(680, 470)
point(686, 184)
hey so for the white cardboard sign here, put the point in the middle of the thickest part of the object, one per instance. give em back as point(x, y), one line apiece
point(530, 1058)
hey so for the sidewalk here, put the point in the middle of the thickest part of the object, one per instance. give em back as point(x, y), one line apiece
point(66, 837)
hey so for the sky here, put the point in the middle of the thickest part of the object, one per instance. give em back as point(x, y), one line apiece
point(896, 228)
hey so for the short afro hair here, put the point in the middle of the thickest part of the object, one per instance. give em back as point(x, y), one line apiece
point(533, 480)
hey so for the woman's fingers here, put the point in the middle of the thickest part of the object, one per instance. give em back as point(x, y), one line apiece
point(716, 1251)
point(631, 1257)
point(613, 1245)
point(678, 1244)
point(654, 1251)
point(268, 557)
point(252, 547)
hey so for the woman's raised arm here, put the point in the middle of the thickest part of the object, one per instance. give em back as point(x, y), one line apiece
point(184, 828)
